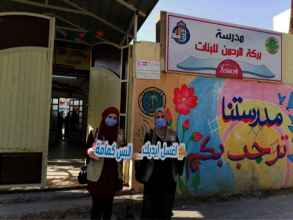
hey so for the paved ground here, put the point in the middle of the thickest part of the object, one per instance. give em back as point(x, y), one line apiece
point(64, 163)
point(279, 207)
point(63, 150)
point(63, 172)
point(76, 204)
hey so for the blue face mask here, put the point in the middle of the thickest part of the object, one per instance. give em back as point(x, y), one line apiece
point(161, 122)
point(111, 122)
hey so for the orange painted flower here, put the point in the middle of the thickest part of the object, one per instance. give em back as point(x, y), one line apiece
point(184, 99)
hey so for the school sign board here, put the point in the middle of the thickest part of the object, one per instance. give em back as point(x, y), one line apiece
point(204, 47)
point(71, 59)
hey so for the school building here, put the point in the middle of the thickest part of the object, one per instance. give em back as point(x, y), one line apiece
point(227, 90)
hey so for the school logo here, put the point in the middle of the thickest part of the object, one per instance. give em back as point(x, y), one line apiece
point(151, 99)
point(229, 69)
point(180, 33)
point(272, 45)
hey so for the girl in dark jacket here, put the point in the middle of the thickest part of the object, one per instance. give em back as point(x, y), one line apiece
point(160, 175)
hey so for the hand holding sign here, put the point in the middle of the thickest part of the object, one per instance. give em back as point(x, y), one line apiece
point(157, 152)
point(137, 156)
point(182, 152)
point(104, 150)
point(91, 152)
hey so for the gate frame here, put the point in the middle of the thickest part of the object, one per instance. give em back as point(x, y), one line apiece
point(50, 50)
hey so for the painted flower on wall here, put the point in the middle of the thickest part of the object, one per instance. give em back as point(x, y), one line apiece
point(185, 126)
point(169, 117)
point(196, 136)
point(184, 99)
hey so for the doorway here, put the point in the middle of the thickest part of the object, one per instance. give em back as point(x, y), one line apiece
point(68, 123)
point(106, 86)
point(75, 121)
point(66, 120)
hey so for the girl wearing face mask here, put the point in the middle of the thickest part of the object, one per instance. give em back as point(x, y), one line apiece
point(159, 176)
point(104, 174)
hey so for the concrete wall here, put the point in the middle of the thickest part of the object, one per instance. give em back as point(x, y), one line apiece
point(196, 103)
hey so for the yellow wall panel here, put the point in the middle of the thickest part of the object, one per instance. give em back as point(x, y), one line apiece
point(25, 102)
point(24, 99)
point(31, 98)
point(7, 106)
point(3, 70)
point(105, 89)
point(20, 95)
point(13, 99)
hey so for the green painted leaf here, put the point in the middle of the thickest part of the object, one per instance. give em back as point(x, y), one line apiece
point(196, 180)
point(200, 163)
point(171, 122)
point(259, 160)
point(181, 183)
point(184, 129)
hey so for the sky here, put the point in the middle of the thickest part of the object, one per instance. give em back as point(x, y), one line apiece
point(253, 13)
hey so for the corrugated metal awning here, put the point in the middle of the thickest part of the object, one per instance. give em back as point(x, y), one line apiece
point(114, 18)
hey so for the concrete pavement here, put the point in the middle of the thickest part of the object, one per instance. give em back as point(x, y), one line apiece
point(278, 207)
point(76, 204)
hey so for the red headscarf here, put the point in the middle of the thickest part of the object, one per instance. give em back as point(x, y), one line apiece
point(109, 133)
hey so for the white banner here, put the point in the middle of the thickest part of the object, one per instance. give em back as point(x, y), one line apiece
point(203, 47)
point(147, 69)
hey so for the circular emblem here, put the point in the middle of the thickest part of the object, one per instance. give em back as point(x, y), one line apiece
point(180, 33)
point(151, 99)
point(229, 69)
point(272, 45)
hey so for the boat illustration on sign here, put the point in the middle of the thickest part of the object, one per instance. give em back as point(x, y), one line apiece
point(196, 64)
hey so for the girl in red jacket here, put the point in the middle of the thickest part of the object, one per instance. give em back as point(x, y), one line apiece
point(104, 174)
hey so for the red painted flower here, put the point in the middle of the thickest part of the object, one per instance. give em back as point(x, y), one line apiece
point(219, 163)
point(169, 117)
point(238, 166)
point(185, 125)
point(169, 114)
point(196, 136)
point(184, 99)
point(283, 138)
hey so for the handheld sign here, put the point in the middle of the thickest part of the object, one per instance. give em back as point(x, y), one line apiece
point(157, 152)
point(110, 151)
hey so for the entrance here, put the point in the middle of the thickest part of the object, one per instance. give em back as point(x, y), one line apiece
point(30, 113)
point(68, 123)
point(75, 121)
point(66, 120)
point(75, 113)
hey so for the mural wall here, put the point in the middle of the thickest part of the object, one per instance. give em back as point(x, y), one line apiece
point(238, 133)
